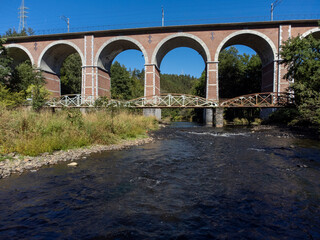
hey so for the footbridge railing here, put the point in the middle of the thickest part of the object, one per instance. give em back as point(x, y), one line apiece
point(162, 101)
point(260, 100)
point(172, 101)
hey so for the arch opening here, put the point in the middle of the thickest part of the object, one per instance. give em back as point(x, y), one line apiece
point(18, 55)
point(264, 48)
point(256, 41)
point(112, 48)
point(115, 79)
point(53, 59)
point(172, 42)
point(180, 40)
point(180, 69)
point(182, 62)
point(240, 73)
point(127, 75)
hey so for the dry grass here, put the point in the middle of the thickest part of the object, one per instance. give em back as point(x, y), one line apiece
point(31, 133)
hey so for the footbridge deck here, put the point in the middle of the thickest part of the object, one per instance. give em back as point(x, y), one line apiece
point(256, 100)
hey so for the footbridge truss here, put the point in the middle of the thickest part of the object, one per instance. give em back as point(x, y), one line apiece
point(259, 100)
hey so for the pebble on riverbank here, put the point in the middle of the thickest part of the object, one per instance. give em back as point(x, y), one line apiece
point(18, 164)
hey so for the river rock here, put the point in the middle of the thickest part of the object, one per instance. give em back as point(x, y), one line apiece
point(72, 164)
point(302, 166)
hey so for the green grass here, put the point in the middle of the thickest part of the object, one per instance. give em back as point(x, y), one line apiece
point(31, 133)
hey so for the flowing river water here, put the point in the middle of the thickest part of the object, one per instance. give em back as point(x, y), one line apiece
point(191, 183)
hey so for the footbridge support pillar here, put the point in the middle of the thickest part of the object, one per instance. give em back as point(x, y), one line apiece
point(219, 117)
point(155, 112)
point(208, 117)
point(212, 118)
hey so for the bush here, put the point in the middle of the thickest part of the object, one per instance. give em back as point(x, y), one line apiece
point(10, 99)
point(240, 121)
point(257, 121)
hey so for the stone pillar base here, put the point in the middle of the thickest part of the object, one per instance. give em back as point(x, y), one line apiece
point(155, 112)
point(208, 117)
point(219, 117)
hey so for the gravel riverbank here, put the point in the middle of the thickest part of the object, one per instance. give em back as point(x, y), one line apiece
point(17, 164)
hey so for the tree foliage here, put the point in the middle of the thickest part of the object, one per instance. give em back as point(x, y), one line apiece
point(301, 57)
point(71, 75)
point(124, 84)
point(238, 74)
point(39, 95)
point(13, 33)
point(5, 63)
point(199, 86)
point(24, 75)
point(173, 83)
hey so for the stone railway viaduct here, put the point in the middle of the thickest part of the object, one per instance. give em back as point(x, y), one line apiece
point(98, 49)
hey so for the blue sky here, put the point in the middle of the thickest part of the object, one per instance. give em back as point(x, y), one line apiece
point(44, 17)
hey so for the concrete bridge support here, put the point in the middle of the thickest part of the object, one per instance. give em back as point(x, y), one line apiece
point(212, 118)
point(208, 117)
point(155, 112)
point(219, 117)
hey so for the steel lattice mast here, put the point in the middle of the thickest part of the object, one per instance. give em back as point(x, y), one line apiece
point(22, 16)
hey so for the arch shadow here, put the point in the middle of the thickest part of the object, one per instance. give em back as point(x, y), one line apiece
point(19, 54)
point(53, 55)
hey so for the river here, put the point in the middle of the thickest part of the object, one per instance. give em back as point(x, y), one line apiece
point(191, 183)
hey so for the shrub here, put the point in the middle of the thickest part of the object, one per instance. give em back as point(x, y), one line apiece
point(240, 121)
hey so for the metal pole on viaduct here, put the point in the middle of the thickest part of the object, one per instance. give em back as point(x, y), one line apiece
point(98, 49)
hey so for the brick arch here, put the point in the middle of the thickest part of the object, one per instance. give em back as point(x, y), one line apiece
point(312, 31)
point(264, 47)
point(63, 49)
point(51, 59)
point(21, 48)
point(114, 46)
point(179, 40)
point(253, 39)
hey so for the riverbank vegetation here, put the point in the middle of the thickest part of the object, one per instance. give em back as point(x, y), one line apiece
point(32, 133)
point(301, 57)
